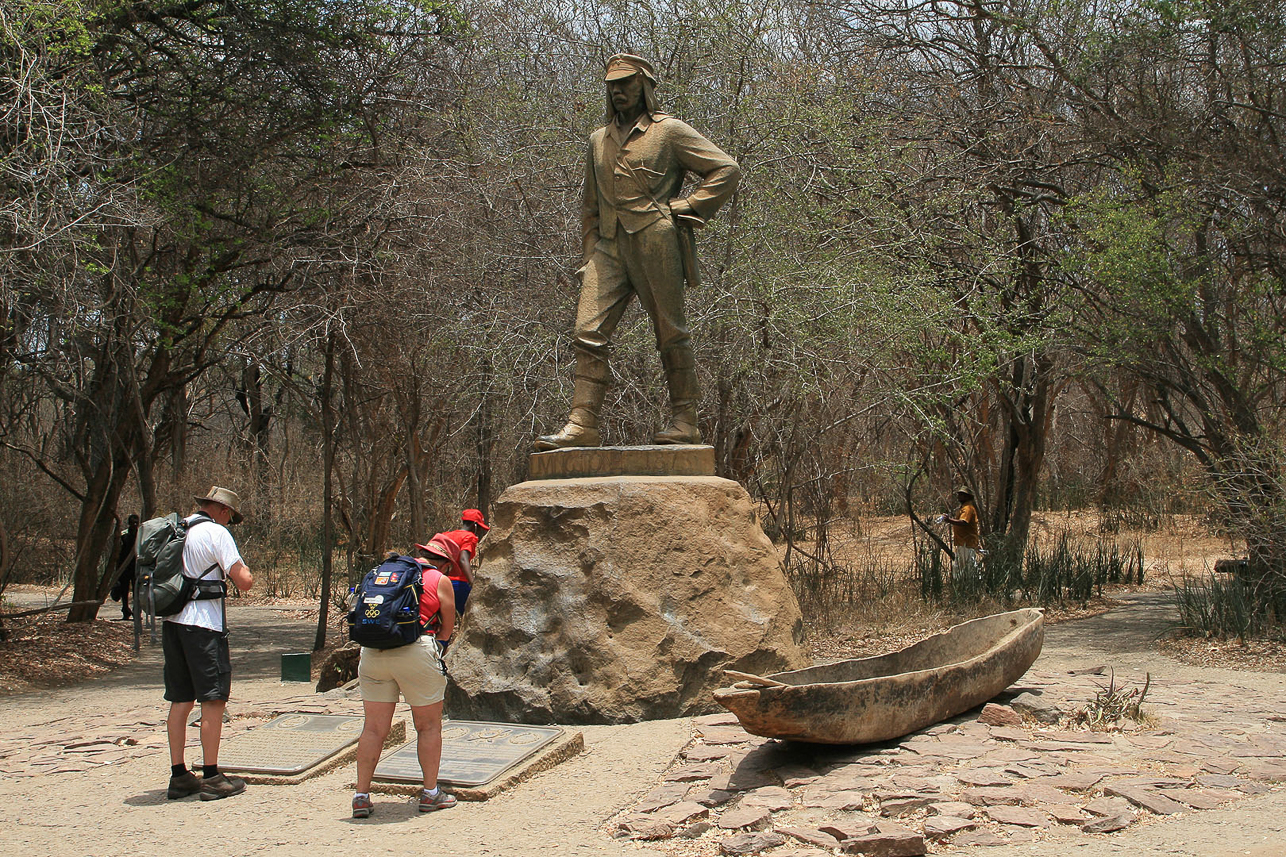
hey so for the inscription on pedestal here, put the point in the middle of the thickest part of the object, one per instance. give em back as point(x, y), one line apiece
point(588, 462)
point(473, 752)
point(289, 744)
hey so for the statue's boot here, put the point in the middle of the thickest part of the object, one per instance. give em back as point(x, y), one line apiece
point(681, 378)
point(587, 398)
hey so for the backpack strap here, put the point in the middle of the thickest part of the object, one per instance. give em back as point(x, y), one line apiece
point(420, 588)
point(201, 594)
point(202, 518)
point(435, 621)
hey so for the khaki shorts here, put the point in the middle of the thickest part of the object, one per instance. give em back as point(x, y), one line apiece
point(415, 670)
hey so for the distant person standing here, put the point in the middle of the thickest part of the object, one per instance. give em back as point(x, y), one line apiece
point(964, 536)
point(416, 673)
point(125, 562)
point(198, 667)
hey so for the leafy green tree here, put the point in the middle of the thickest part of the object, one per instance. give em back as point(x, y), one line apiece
point(1181, 245)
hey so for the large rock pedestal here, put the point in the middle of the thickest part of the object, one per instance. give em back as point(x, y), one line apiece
point(619, 599)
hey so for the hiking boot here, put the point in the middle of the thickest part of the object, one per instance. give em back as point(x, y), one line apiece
point(220, 786)
point(573, 434)
point(183, 785)
point(441, 801)
point(681, 379)
point(683, 430)
point(362, 806)
point(590, 385)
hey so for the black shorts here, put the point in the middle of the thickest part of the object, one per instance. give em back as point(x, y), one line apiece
point(197, 665)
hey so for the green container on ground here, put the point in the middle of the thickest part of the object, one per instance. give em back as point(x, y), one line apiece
point(297, 666)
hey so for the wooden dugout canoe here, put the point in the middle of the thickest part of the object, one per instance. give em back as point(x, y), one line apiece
point(874, 699)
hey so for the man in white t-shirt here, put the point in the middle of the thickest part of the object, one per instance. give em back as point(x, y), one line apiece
point(195, 642)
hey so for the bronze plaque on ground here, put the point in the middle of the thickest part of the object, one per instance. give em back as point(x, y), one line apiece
point(473, 752)
point(290, 744)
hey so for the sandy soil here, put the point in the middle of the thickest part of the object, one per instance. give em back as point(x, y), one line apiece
point(121, 808)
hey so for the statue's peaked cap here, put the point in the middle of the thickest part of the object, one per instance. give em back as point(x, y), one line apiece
point(627, 65)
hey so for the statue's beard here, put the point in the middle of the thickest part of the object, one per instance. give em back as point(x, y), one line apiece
point(650, 105)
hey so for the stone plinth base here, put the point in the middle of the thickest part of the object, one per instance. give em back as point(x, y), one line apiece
point(619, 599)
point(599, 461)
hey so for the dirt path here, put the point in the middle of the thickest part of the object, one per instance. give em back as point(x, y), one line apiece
point(1124, 638)
point(120, 808)
point(63, 805)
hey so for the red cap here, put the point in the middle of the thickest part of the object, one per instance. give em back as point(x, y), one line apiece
point(474, 516)
point(436, 550)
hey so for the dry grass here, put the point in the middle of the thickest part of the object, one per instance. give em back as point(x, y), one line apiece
point(914, 621)
point(1181, 545)
point(879, 609)
point(1252, 655)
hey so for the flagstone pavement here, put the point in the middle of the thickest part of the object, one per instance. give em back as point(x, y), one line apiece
point(1205, 777)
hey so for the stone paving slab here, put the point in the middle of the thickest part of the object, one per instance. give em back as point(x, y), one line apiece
point(90, 740)
point(569, 744)
point(966, 782)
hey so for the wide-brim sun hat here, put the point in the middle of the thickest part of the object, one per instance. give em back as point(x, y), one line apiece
point(436, 550)
point(224, 497)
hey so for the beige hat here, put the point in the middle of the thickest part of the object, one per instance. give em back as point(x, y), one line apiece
point(622, 66)
point(225, 497)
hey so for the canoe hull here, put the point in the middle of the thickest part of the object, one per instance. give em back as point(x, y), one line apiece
point(876, 699)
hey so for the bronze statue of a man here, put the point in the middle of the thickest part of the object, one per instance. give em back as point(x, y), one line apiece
point(637, 240)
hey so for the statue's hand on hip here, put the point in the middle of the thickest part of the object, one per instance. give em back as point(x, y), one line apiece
point(680, 207)
point(685, 214)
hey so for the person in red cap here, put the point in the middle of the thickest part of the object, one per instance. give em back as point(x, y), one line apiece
point(636, 229)
point(462, 546)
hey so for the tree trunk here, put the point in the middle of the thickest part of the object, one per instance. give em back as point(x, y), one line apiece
point(144, 456)
point(1028, 413)
point(328, 468)
point(94, 538)
point(178, 415)
point(259, 415)
point(4, 557)
point(381, 523)
point(1120, 442)
point(414, 488)
point(486, 437)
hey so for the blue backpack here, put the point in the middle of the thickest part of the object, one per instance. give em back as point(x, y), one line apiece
point(386, 612)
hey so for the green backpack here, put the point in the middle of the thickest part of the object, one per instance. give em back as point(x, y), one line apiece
point(161, 587)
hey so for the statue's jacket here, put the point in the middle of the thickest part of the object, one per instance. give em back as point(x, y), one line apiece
point(630, 186)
